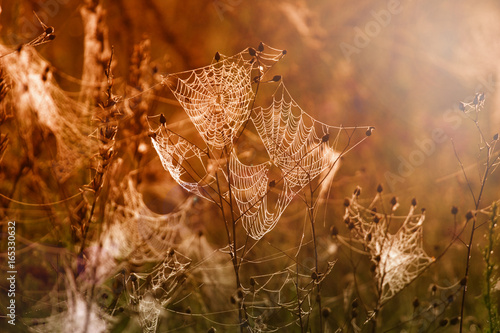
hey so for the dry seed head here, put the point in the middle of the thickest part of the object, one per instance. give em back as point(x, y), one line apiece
point(454, 210)
point(469, 215)
point(416, 303)
point(443, 322)
point(357, 191)
point(414, 202)
point(380, 188)
point(463, 282)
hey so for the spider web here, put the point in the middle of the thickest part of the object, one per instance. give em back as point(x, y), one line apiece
point(39, 101)
point(182, 160)
point(250, 189)
point(150, 292)
point(399, 257)
point(137, 233)
point(217, 97)
point(297, 143)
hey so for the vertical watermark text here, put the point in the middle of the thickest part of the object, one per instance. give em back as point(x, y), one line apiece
point(11, 272)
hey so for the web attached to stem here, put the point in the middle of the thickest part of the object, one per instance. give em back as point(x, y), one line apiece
point(150, 292)
point(182, 160)
point(217, 97)
point(297, 143)
point(249, 186)
point(399, 257)
point(137, 233)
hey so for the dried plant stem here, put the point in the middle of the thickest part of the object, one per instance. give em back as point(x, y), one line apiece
point(477, 202)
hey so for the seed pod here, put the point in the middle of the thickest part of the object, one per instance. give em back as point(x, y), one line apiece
point(326, 312)
point(163, 121)
point(416, 303)
point(217, 56)
point(380, 188)
point(454, 210)
point(325, 138)
point(261, 47)
point(347, 202)
point(414, 202)
point(469, 215)
point(252, 52)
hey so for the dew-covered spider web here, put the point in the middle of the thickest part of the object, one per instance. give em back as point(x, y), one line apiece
point(186, 163)
point(217, 97)
point(297, 144)
point(136, 233)
point(150, 292)
point(399, 257)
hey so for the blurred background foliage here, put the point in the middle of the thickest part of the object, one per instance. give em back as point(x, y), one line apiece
point(406, 80)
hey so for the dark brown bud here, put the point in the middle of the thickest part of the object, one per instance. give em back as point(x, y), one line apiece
point(325, 138)
point(495, 137)
point(49, 30)
point(357, 191)
point(354, 304)
point(376, 219)
point(188, 310)
point(394, 201)
point(454, 210)
point(414, 202)
point(380, 188)
point(463, 282)
point(272, 183)
point(469, 215)
point(217, 56)
point(261, 47)
point(276, 78)
point(252, 52)
point(252, 281)
point(314, 276)
point(334, 231)
point(326, 312)
point(416, 303)
point(163, 121)
point(454, 320)
point(369, 130)
point(443, 322)
point(211, 330)
point(347, 202)
point(350, 226)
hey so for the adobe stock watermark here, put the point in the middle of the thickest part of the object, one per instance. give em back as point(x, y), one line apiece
point(427, 146)
point(29, 28)
point(11, 272)
point(222, 6)
point(363, 37)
